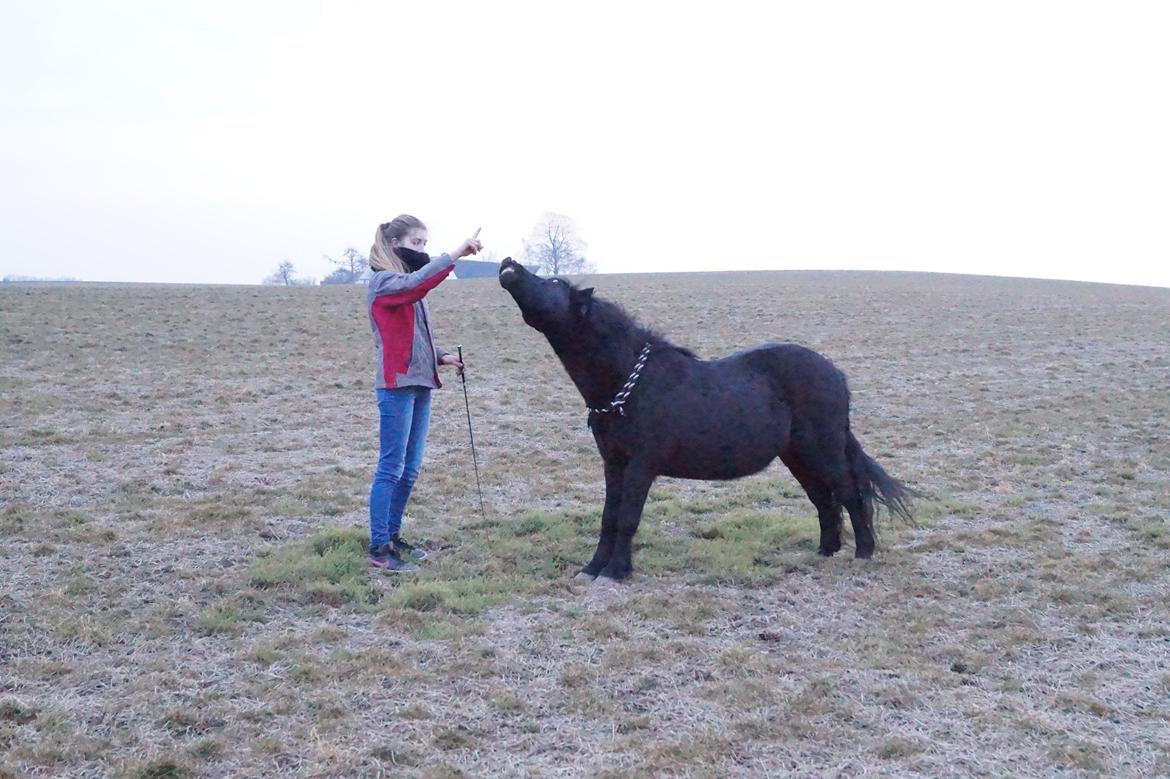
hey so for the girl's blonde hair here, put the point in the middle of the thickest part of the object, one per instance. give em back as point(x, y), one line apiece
point(382, 257)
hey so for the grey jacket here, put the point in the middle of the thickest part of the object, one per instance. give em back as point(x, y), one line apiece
point(401, 322)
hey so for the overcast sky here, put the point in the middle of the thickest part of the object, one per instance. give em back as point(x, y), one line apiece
point(207, 141)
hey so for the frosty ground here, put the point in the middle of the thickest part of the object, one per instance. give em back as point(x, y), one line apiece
point(183, 477)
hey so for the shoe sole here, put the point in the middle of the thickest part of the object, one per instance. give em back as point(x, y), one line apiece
point(417, 554)
point(386, 568)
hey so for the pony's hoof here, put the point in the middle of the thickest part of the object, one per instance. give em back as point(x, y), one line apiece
point(583, 577)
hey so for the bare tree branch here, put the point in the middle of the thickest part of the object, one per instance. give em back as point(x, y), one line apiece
point(349, 269)
point(555, 248)
point(284, 275)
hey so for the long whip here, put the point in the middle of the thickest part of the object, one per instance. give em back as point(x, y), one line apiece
point(474, 459)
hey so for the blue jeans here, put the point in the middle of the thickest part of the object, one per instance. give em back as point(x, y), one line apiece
point(405, 414)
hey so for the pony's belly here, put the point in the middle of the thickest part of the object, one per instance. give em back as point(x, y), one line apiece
point(737, 437)
point(723, 456)
point(701, 468)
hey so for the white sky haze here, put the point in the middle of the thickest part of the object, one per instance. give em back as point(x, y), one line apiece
point(206, 142)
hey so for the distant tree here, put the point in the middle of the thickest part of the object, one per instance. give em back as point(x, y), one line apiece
point(554, 246)
point(284, 275)
point(351, 268)
point(337, 276)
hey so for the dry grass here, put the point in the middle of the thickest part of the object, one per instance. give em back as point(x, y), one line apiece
point(183, 475)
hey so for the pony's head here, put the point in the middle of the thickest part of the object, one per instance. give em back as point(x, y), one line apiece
point(553, 306)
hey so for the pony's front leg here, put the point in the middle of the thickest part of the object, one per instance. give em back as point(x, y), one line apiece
point(609, 515)
point(635, 487)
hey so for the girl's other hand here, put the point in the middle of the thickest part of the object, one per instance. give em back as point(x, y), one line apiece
point(450, 359)
point(469, 246)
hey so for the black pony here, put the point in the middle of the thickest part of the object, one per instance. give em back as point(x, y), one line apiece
point(657, 410)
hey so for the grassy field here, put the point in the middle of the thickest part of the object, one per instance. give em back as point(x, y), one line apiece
point(183, 484)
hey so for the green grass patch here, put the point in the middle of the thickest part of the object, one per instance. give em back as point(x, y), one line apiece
point(218, 510)
point(536, 552)
point(530, 554)
point(332, 567)
point(742, 546)
point(14, 518)
point(265, 655)
point(1153, 532)
point(430, 625)
point(331, 495)
point(457, 737)
point(288, 506)
point(935, 507)
point(68, 524)
point(455, 596)
point(39, 436)
point(506, 702)
point(222, 617)
point(15, 711)
point(207, 749)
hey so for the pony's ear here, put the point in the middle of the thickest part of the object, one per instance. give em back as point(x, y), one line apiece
point(583, 302)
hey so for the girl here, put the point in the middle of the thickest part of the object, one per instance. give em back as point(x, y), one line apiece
point(408, 362)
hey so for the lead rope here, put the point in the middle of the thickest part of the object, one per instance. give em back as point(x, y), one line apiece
point(618, 403)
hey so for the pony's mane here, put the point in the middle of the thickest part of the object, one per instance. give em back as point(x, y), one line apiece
point(609, 318)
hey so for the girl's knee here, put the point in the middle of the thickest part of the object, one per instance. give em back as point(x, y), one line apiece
point(389, 470)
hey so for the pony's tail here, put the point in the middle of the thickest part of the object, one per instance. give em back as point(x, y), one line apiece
point(877, 487)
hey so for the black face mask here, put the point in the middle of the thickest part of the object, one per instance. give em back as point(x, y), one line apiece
point(412, 259)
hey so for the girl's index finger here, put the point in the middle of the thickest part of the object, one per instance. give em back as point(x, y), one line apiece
point(477, 232)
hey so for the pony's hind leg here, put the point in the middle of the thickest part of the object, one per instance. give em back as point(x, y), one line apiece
point(821, 495)
point(834, 464)
point(861, 516)
point(847, 492)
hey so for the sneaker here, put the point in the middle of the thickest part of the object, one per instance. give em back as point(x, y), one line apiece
point(406, 550)
point(387, 558)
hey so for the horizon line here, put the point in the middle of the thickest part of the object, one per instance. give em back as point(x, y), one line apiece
point(66, 281)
